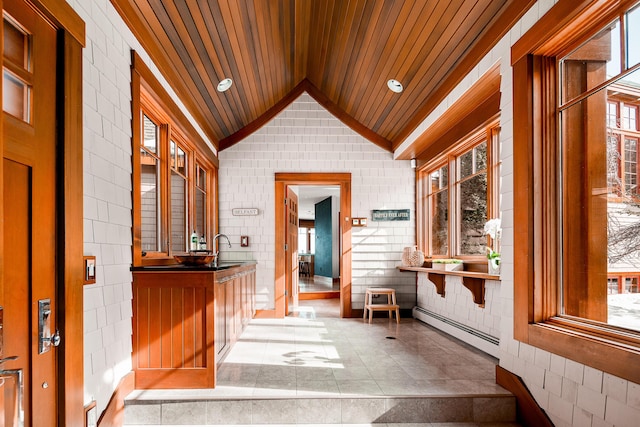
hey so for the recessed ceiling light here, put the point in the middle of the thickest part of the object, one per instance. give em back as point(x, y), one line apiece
point(395, 86)
point(224, 85)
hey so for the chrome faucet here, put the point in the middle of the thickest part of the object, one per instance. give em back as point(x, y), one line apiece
point(215, 255)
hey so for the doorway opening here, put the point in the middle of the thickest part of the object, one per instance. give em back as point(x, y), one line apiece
point(318, 241)
point(300, 267)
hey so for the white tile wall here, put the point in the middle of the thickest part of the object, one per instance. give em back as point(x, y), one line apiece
point(306, 138)
point(107, 195)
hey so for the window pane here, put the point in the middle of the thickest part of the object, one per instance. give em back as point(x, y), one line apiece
point(178, 213)
point(465, 165)
point(631, 167)
point(150, 202)
point(201, 212)
point(598, 58)
point(312, 240)
point(440, 224)
point(181, 160)
point(614, 180)
point(150, 135)
point(633, 35)
point(612, 115)
point(302, 240)
point(481, 156)
point(473, 215)
point(201, 178)
point(629, 117)
point(598, 283)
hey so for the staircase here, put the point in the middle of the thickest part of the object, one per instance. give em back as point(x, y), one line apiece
point(331, 371)
point(471, 410)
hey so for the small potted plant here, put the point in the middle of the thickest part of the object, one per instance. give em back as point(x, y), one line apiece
point(493, 229)
point(447, 264)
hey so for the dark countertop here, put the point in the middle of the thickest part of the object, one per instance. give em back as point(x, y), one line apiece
point(207, 267)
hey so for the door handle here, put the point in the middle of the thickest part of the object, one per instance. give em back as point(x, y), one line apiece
point(44, 327)
point(17, 420)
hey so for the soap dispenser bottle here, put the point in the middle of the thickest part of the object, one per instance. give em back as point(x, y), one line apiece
point(194, 241)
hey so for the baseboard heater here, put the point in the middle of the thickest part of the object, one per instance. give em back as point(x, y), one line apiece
point(471, 336)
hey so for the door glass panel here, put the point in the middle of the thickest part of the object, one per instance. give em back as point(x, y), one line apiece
point(15, 97)
point(16, 44)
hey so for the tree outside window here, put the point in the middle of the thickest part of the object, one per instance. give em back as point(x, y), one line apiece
point(455, 197)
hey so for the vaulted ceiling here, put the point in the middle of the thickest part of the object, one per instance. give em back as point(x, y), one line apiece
point(342, 52)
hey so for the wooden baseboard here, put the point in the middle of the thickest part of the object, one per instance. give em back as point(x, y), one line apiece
point(113, 415)
point(265, 314)
point(528, 411)
point(306, 296)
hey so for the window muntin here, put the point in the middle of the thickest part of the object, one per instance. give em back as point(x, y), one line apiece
point(600, 228)
point(456, 200)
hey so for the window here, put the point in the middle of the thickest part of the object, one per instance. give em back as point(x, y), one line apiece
point(455, 197)
point(576, 219)
point(174, 176)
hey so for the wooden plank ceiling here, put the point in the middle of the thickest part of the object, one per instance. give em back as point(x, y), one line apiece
point(340, 51)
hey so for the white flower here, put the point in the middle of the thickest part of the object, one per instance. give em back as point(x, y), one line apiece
point(493, 228)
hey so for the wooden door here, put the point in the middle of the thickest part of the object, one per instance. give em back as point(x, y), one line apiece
point(291, 253)
point(29, 213)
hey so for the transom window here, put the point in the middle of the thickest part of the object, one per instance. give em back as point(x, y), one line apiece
point(455, 197)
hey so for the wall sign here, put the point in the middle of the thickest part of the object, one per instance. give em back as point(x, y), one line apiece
point(390, 215)
point(245, 211)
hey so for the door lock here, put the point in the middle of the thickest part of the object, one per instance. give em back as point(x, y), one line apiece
point(44, 327)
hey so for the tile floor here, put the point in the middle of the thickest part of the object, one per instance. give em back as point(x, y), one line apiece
point(315, 354)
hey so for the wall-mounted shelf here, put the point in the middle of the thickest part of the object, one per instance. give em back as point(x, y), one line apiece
point(472, 280)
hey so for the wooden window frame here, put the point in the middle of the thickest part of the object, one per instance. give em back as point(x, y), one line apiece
point(537, 320)
point(487, 134)
point(151, 99)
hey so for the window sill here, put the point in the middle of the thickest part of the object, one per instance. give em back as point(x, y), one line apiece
point(472, 280)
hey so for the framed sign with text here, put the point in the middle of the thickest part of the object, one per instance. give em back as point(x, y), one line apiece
point(390, 215)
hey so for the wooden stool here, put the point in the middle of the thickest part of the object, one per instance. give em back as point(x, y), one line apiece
point(390, 306)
